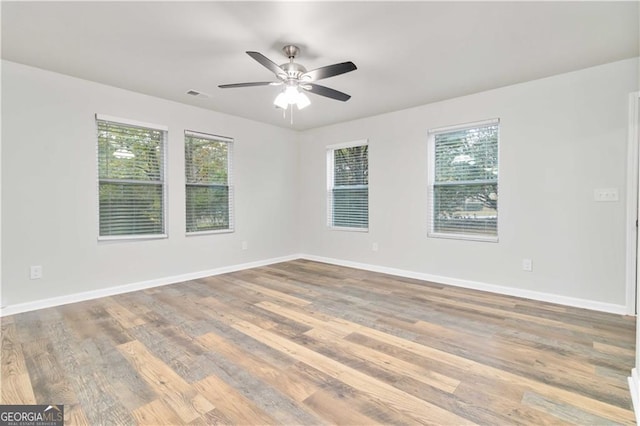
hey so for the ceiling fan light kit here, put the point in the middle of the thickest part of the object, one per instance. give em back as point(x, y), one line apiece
point(290, 96)
point(297, 79)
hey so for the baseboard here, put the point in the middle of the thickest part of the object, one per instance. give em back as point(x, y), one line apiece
point(633, 388)
point(112, 291)
point(476, 285)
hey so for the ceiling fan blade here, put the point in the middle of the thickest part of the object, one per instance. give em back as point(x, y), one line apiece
point(257, 83)
point(325, 91)
point(269, 64)
point(328, 71)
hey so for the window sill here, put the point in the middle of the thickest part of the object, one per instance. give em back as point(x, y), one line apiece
point(211, 232)
point(114, 238)
point(465, 237)
point(344, 228)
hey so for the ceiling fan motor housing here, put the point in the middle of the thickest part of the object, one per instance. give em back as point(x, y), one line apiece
point(293, 70)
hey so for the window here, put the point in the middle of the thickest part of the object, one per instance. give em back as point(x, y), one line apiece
point(463, 181)
point(348, 186)
point(209, 193)
point(130, 178)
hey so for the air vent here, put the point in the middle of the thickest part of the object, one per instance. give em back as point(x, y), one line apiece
point(197, 94)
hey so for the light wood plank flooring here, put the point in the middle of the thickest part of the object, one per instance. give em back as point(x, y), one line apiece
point(308, 343)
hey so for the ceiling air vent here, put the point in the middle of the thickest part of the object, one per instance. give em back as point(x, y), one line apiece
point(197, 94)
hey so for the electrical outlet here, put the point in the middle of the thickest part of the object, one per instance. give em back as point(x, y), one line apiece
point(374, 246)
point(605, 194)
point(245, 246)
point(35, 272)
point(527, 265)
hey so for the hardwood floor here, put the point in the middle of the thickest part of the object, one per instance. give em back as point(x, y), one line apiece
point(308, 343)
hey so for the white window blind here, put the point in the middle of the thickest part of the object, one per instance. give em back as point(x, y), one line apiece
point(463, 181)
point(209, 190)
point(131, 182)
point(348, 186)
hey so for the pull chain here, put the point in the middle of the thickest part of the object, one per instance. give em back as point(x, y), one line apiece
point(284, 114)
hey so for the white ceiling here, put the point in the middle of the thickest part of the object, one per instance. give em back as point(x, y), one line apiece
point(407, 53)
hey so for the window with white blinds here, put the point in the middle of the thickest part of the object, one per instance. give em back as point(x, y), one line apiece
point(348, 186)
point(209, 190)
point(463, 181)
point(131, 178)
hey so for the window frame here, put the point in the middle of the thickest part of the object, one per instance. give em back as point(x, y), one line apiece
point(230, 147)
point(330, 149)
point(163, 175)
point(431, 233)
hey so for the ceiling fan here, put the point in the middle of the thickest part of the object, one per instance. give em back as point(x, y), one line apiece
point(295, 77)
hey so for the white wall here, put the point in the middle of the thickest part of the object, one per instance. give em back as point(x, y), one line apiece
point(49, 193)
point(560, 138)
